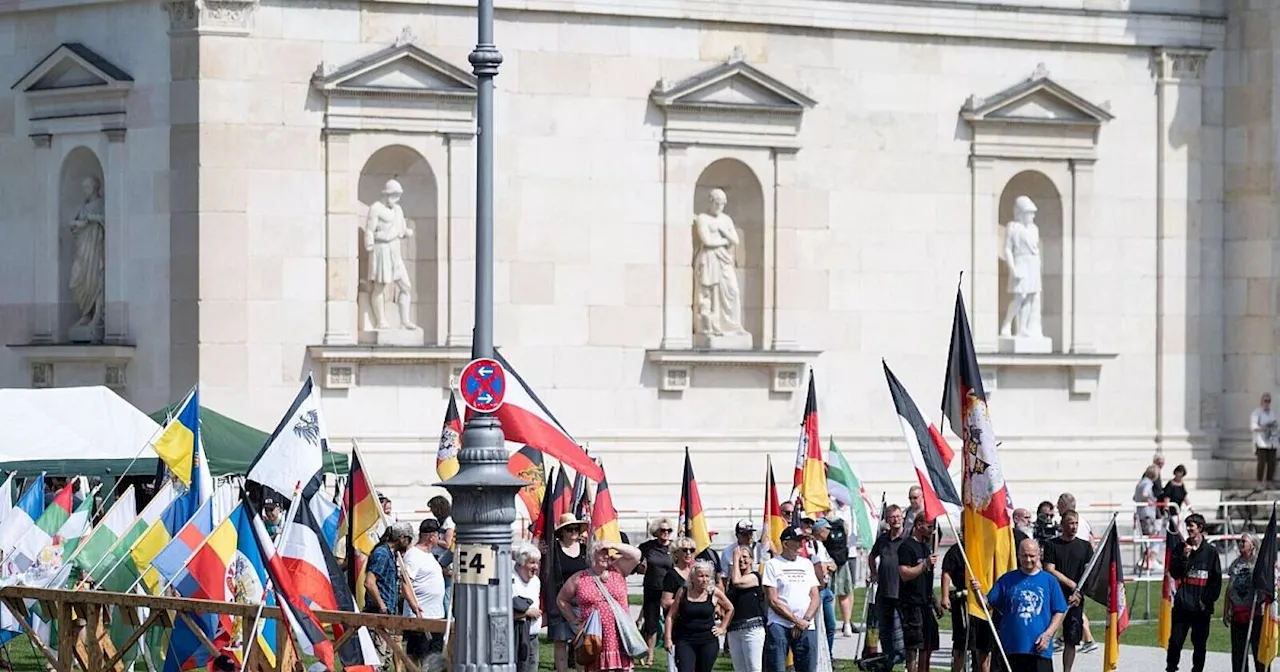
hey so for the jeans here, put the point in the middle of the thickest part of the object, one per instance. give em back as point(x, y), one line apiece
point(829, 617)
point(778, 641)
point(1240, 654)
point(746, 647)
point(448, 596)
point(1196, 623)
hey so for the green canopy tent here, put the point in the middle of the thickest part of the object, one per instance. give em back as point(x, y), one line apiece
point(231, 445)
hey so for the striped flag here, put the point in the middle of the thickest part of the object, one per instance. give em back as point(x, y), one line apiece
point(545, 528)
point(561, 496)
point(450, 441)
point(1103, 583)
point(22, 519)
point(809, 484)
point(176, 445)
point(1164, 624)
point(774, 523)
point(987, 523)
point(362, 521)
point(308, 634)
point(525, 419)
point(929, 453)
point(841, 477)
point(604, 518)
point(1264, 582)
point(693, 523)
point(41, 535)
point(94, 548)
point(526, 465)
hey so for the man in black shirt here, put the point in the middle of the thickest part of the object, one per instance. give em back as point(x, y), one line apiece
point(917, 604)
point(1066, 557)
point(1197, 568)
point(883, 563)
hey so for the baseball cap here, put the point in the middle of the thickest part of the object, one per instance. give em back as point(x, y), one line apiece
point(789, 534)
point(821, 523)
point(401, 530)
point(268, 503)
point(428, 526)
point(744, 526)
point(383, 498)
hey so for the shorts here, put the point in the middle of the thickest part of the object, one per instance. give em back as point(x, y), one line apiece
point(919, 627)
point(1073, 626)
point(842, 582)
point(1023, 662)
point(965, 627)
point(1147, 525)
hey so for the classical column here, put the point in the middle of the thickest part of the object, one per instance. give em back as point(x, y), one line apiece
point(677, 248)
point(340, 242)
point(47, 275)
point(779, 332)
point(1178, 151)
point(1077, 331)
point(461, 228)
point(984, 278)
point(116, 246)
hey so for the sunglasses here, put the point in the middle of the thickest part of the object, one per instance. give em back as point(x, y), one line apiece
point(665, 530)
point(684, 550)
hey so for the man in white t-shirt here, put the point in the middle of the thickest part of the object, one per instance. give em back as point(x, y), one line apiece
point(745, 532)
point(427, 580)
point(791, 589)
point(1262, 423)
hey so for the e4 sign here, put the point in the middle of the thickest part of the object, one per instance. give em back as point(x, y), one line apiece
point(477, 564)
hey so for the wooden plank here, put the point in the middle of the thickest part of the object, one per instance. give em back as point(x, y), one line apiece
point(157, 617)
point(346, 618)
point(93, 636)
point(402, 659)
point(198, 632)
point(19, 610)
point(66, 635)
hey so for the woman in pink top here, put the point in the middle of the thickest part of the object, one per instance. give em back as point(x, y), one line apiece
point(611, 563)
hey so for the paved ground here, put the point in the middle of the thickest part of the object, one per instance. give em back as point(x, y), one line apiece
point(1137, 658)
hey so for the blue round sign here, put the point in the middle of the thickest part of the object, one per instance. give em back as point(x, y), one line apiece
point(484, 385)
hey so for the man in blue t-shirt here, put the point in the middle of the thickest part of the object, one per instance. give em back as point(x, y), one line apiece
point(1032, 606)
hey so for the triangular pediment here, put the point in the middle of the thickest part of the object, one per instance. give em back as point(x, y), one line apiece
point(733, 85)
point(402, 69)
point(73, 66)
point(1037, 100)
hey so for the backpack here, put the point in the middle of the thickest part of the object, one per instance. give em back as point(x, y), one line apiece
point(837, 543)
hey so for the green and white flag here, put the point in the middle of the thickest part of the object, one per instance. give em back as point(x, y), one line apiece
point(94, 548)
point(845, 486)
point(37, 546)
point(117, 572)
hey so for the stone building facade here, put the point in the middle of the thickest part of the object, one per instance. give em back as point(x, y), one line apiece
point(871, 151)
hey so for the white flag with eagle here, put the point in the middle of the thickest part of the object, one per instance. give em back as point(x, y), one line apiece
point(295, 452)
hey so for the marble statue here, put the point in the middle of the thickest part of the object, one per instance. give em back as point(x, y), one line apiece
point(1021, 330)
point(384, 230)
point(88, 267)
point(719, 301)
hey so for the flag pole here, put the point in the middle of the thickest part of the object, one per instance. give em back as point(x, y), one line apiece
point(980, 599)
point(270, 587)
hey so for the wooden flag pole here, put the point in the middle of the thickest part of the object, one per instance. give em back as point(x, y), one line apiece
point(981, 600)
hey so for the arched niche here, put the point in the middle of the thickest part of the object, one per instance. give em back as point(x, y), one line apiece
point(1049, 217)
point(420, 203)
point(80, 174)
point(745, 205)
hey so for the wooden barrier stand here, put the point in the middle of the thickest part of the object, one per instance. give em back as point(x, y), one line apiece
point(83, 617)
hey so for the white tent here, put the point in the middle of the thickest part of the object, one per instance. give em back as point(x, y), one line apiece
point(71, 424)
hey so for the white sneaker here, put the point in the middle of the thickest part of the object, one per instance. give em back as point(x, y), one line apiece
point(1089, 647)
point(847, 631)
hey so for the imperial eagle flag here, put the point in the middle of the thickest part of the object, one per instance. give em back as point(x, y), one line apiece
point(295, 451)
point(526, 465)
point(988, 528)
point(450, 441)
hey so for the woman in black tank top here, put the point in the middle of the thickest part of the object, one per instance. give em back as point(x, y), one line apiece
point(692, 634)
point(746, 630)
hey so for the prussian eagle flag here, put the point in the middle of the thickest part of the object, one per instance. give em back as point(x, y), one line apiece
point(988, 528)
point(525, 419)
point(929, 453)
point(295, 452)
point(526, 465)
point(319, 580)
point(1103, 583)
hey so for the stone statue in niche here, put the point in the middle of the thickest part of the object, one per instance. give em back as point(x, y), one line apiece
point(384, 230)
point(1021, 330)
point(718, 309)
point(88, 266)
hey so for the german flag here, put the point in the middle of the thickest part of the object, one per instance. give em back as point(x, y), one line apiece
point(526, 465)
point(450, 441)
point(561, 498)
point(362, 520)
point(545, 528)
point(1164, 625)
point(604, 517)
point(692, 523)
point(809, 484)
point(774, 523)
point(1103, 583)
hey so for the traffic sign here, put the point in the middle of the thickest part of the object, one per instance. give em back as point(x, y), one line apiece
point(484, 385)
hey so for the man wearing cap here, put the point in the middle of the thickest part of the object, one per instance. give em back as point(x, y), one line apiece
point(744, 533)
point(426, 579)
point(383, 588)
point(824, 568)
point(791, 589)
point(271, 518)
point(385, 502)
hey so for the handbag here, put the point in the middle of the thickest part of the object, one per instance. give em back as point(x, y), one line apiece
point(588, 643)
point(632, 642)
